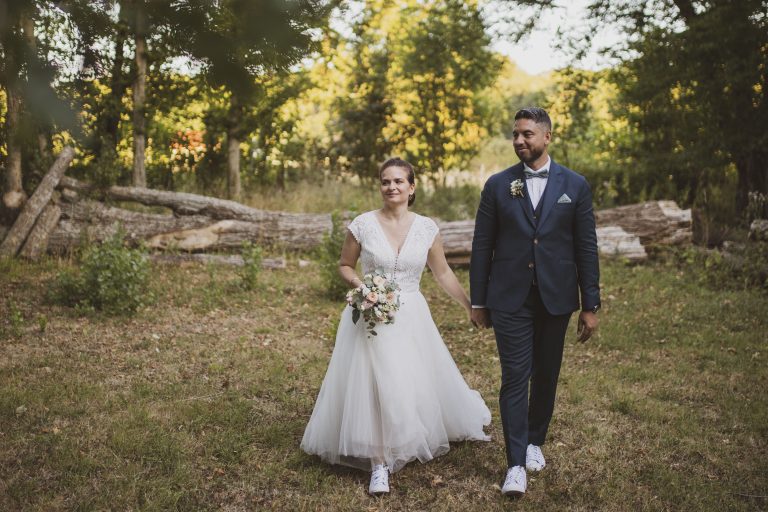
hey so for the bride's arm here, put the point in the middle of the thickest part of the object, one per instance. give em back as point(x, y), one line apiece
point(350, 252)
point(444, 275)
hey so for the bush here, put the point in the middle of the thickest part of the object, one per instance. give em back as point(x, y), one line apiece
point(328, 258)
point(249, 273)
point(112, 278)
point(736, 266)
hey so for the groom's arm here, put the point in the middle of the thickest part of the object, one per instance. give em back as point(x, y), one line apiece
point(585, 240)
point(483, 245)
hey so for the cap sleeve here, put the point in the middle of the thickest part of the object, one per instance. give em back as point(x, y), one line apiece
point(432, 230)
point(356, 228)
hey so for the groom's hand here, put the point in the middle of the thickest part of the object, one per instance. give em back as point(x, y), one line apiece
point(587, 325)
point(480, 318)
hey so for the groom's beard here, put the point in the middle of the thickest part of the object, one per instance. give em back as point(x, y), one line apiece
point(531, 156)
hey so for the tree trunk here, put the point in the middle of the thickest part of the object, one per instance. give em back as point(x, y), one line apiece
point(233, 149)
point(28, 27)
point(13, 193)
point(752, 189)
point(233, 167)
point(32, 208)
point(139, 98)
point(109, 123)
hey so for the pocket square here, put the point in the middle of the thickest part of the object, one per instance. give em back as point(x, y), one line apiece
point(564, 199)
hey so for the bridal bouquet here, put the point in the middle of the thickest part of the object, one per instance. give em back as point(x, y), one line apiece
point(376, 300)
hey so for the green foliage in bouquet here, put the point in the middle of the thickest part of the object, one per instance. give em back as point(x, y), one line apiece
point(112, 278)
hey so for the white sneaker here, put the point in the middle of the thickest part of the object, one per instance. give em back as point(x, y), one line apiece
point(379, 480)
point(515, 482)
point(534, 459)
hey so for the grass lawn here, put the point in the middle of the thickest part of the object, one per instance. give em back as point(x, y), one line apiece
point(199, 401)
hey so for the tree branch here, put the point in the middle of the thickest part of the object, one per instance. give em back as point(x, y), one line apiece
point(687, 12)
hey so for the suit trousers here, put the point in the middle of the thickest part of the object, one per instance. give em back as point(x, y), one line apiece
point(530, 343)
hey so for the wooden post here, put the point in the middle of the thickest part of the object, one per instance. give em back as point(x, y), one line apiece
point(32, 208)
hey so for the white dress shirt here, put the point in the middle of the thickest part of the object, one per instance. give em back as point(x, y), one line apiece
point(535, 186)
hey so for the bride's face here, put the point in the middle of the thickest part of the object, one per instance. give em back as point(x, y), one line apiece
point(395, 188)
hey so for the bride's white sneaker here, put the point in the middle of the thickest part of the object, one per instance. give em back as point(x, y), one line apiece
point(534, 459)
point(379, 480)
point(515, 482)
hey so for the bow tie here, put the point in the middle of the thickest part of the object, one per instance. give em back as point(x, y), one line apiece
point(533, 174)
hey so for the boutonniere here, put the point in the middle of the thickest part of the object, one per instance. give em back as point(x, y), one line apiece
point(516, 188)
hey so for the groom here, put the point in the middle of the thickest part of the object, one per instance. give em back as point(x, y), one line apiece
point(534, 252)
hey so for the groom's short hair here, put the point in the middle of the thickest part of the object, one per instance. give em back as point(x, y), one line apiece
point(537, 114)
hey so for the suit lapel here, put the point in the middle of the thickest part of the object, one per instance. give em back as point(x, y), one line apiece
point(516, 173)
point(552, 191)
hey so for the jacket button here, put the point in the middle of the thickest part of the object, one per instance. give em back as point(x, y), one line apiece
point(530, 265)
point(536, 241)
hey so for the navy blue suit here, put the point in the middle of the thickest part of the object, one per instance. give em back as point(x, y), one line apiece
point(531, 269)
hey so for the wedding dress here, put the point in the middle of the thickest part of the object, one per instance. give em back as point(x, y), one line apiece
point(397, 396)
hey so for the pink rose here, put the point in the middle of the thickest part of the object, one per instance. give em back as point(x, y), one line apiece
point(372, 297)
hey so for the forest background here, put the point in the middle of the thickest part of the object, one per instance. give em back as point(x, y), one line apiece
point(273, 104)
point(130, 384)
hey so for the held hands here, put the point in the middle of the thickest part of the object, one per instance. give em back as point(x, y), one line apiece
point(587, 325)
point(480, 318)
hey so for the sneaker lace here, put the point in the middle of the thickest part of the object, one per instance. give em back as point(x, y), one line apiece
point(515, 475)
point(534, 452)
point(379, 476)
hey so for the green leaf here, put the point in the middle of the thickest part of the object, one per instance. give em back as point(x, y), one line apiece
point(355, 315)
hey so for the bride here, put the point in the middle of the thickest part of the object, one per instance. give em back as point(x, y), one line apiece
point(397, 396)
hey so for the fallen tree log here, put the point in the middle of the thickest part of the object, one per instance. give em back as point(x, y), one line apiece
point(653, 222)
point(26, 220)
point(94, 221)
point(201, 223)
point(216, 259)
point(296, 230)
point(37, 241)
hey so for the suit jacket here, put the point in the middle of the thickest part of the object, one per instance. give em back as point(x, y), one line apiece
point(557, 248)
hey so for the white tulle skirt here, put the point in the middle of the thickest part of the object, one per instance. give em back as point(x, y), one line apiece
point(394, 397)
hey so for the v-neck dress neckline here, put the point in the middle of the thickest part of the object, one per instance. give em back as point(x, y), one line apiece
point(398, 251)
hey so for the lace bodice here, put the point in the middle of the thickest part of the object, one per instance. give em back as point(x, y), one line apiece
point(376, 251)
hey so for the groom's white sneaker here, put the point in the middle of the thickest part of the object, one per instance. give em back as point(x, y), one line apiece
point(534, 459)
point(379, 480)
point(515, 483)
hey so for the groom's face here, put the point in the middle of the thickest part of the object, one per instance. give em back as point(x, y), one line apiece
point(530, 140)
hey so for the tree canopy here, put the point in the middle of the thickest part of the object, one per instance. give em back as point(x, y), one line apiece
point(269, 91)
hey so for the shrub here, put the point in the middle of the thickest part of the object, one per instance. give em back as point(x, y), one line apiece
point(112, 278)
point(736, 266)
point(249, 273)
point(328, 258)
